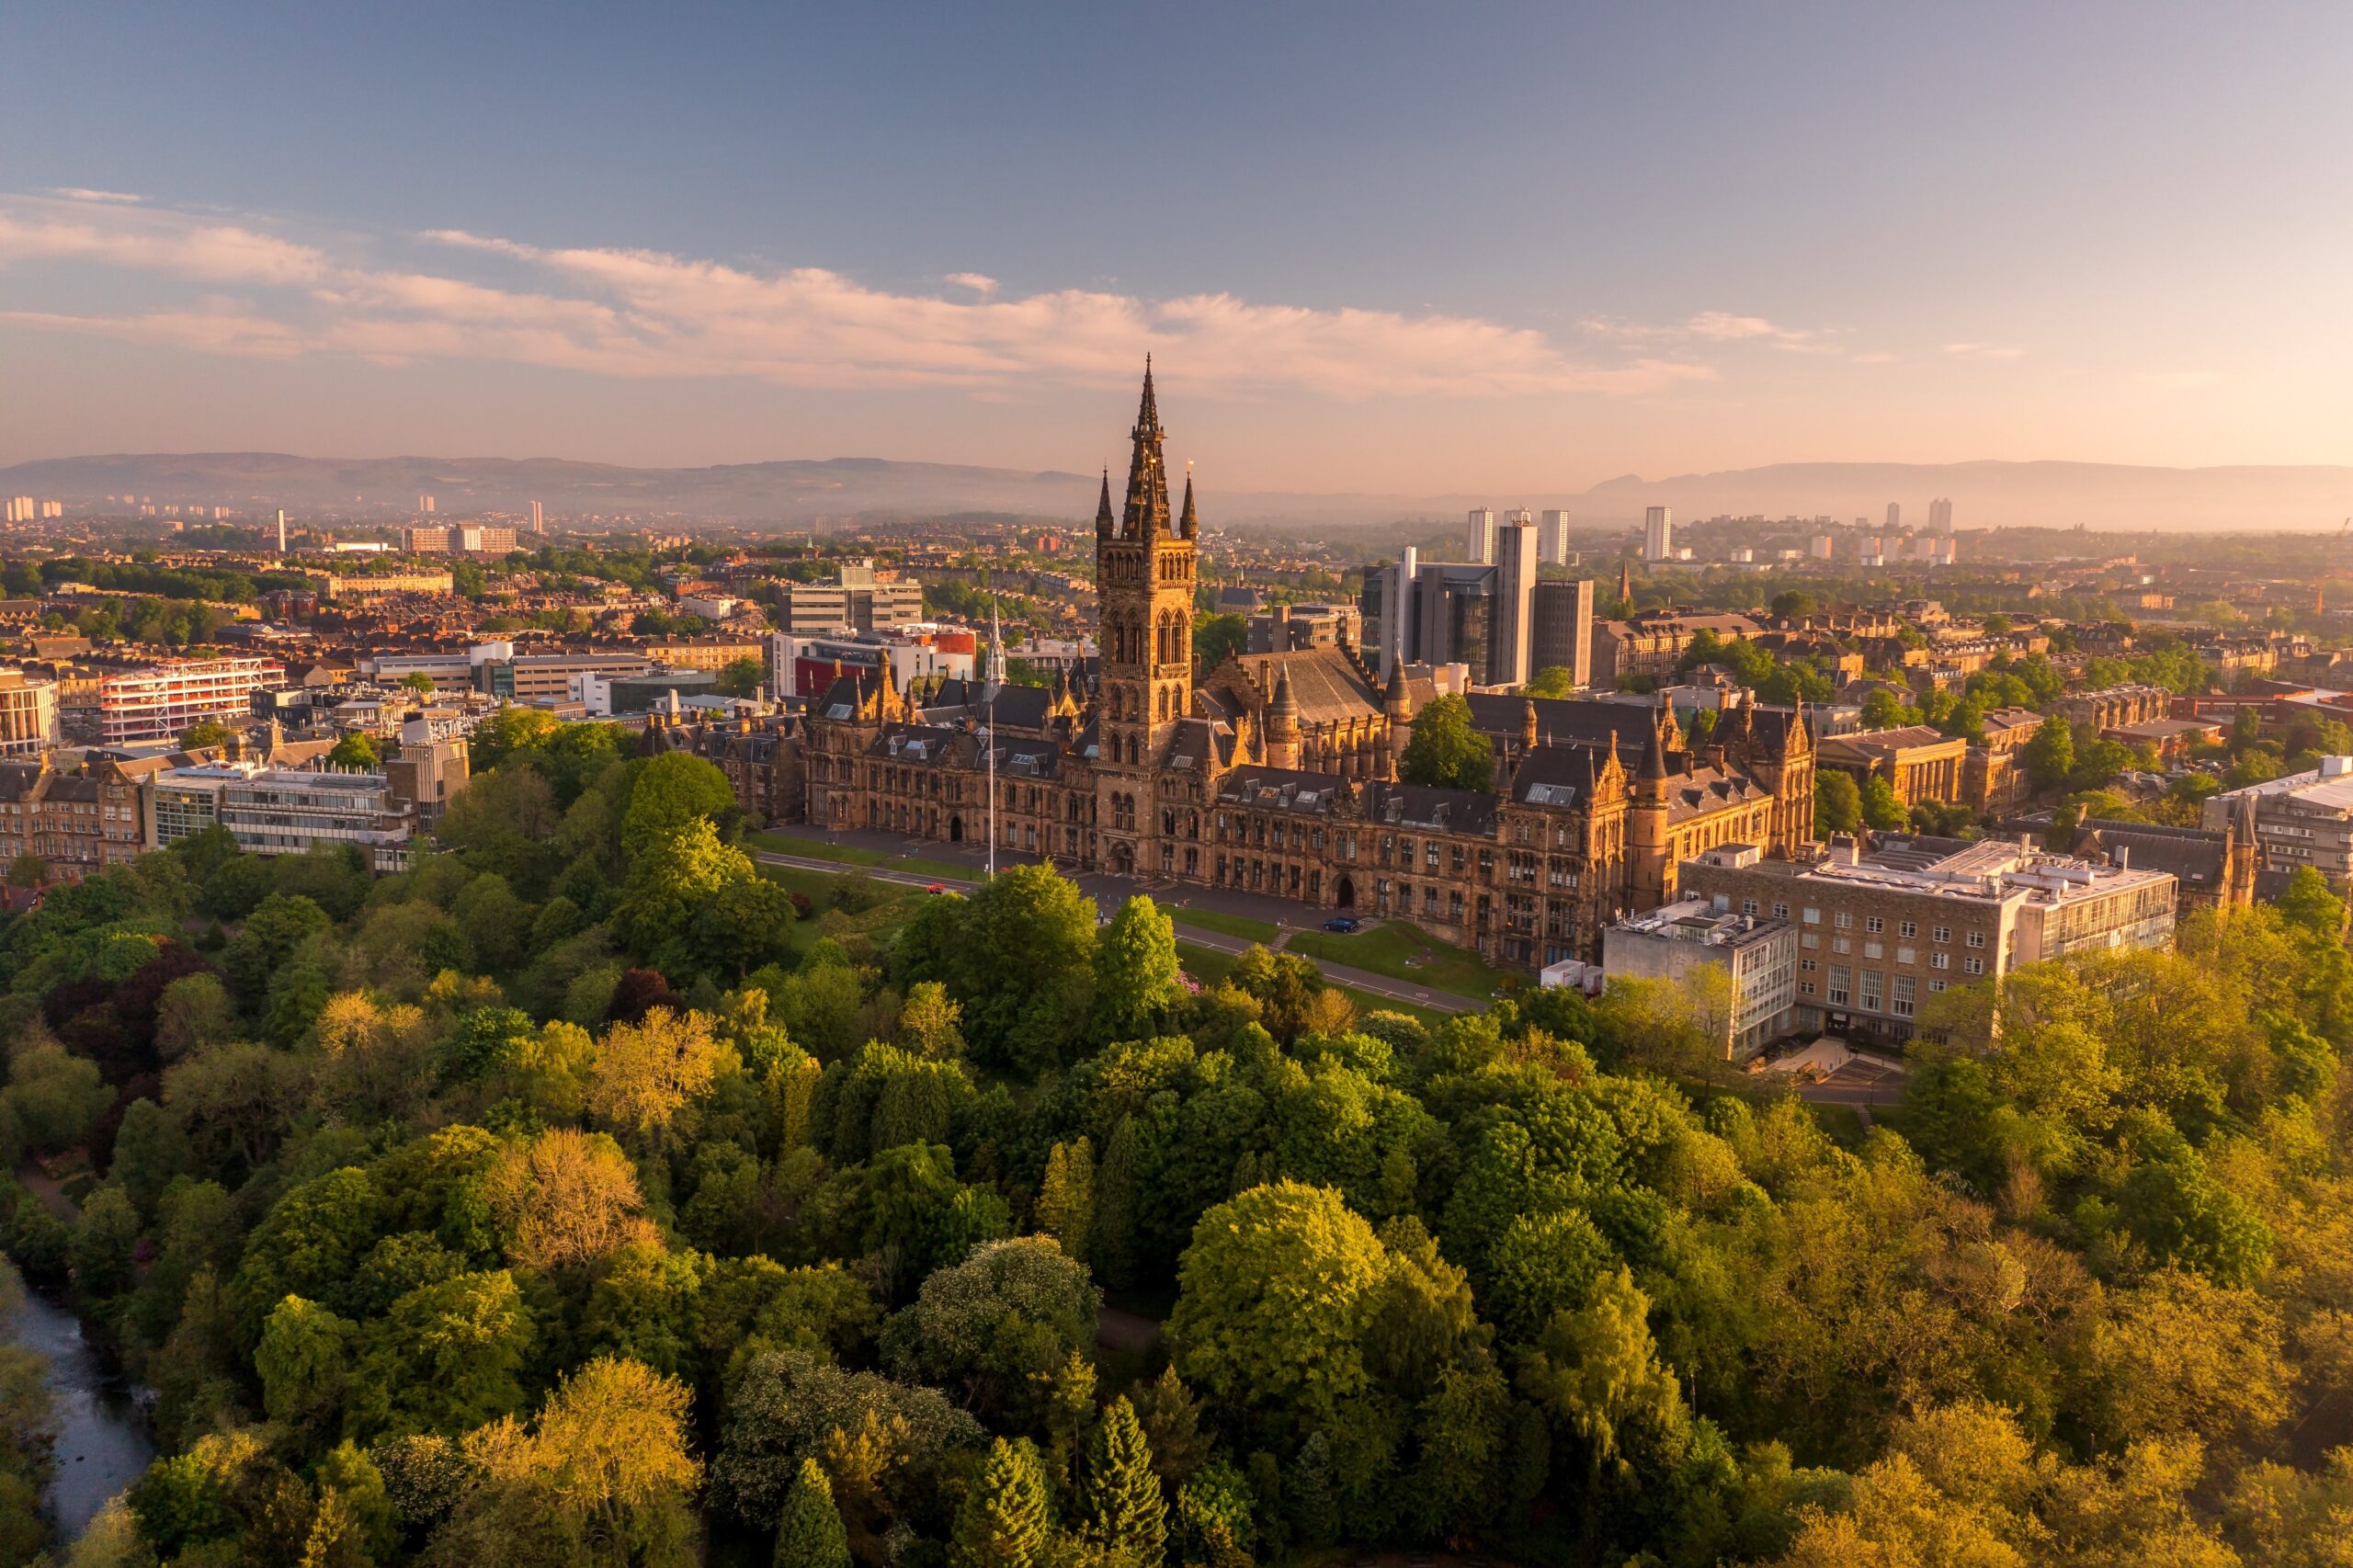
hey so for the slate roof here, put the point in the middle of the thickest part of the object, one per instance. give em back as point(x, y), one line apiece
point(2196, 856)
point(1280, 788)
point(1471, 811)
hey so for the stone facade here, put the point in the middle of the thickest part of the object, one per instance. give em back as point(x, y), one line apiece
point(1276, 771)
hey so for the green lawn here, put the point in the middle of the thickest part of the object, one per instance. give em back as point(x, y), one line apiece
point(1404, 951)
point(1240, 925)
point(853, 855)
point(874, 910)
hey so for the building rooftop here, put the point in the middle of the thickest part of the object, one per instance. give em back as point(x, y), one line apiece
point(1696, 920)
point(2328, 786)
point(1990, 871)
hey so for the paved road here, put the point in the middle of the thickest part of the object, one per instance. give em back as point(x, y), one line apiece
point(1859, 1083)
point(1109, 891)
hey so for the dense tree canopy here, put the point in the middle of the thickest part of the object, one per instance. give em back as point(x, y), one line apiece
point(571, 1197)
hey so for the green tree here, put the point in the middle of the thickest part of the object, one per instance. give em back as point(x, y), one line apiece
point(1018, 957)
point(2050, 754)
point(809, 1532)
point(1217, 638)
point(206, 732)
point(1005, 1519)
point(1066, 1198)
point(356, 750)
point(1272, 1301)
point(741, 677)
point(1137, 978)
point(993, 1328)
point(304, 1362)
point(104, 1238)
point(1882, 813)
point(1446, 751)
point(1793, 604)
point(669, 793)
point(1122, 1491)
point(1551, 681)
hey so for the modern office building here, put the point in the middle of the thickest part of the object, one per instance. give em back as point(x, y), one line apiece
point(283, 811)
point(1757, 954)
point(2305, 819)
point(1479, 537)
point(1560, 619)
point(857, 601)
point(27, 714)
point(1881, 935)
point(1514, 605)
point(160, 701)
point(1552, 538)
point(1658, 534)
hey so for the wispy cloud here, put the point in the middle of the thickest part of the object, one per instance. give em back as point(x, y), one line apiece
point(651, 313)
point(81, 193)
point(1984, 351)
point(1715, 327)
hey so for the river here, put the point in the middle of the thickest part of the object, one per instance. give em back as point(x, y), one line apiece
point(102, 1442)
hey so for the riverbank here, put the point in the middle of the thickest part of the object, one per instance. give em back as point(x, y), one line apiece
point(102, 1442)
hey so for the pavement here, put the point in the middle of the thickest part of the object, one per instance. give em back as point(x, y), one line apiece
point(1860, 1082)
point(1109, 891)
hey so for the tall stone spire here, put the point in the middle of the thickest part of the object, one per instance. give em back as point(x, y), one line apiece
point(1104, 518)
point(1148, 508)
point(1188, 522)
point(1625, 583)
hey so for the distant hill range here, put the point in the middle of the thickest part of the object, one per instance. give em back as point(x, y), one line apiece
point(797, 493)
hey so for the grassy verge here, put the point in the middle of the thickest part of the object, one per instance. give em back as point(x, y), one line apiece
point(846, 905)
point(1403, 951)
point(1240, 925)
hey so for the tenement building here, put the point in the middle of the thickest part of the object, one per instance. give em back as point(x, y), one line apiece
point(1277, 771)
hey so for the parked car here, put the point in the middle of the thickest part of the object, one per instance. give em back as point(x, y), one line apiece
point(936, 887)
point(1343, 923)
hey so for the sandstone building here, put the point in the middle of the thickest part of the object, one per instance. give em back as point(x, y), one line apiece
point(1275, 771)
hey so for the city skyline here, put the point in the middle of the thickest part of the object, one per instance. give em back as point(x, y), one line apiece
point(1521, 255)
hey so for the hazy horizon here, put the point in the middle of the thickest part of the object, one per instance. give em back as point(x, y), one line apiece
point(1525, 250)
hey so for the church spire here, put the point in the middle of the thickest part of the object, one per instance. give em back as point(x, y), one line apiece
point(1189, 523)
point(1148, 508)
point(1103, 517)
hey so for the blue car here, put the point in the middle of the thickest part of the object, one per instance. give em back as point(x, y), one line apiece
point(1343, 923)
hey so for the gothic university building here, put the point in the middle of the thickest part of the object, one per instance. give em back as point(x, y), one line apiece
point(1276, 772)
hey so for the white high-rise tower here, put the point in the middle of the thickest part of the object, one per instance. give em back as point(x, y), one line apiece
point(1479, 539)
point(1658, 533)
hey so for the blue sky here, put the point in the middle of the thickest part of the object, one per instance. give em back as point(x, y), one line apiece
point(1389, 247)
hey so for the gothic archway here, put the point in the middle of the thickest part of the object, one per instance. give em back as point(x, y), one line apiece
point(1344, 892)
point(955, 830)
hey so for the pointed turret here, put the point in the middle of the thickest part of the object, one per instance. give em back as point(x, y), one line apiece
point(1528, 723)
point(1148, 508)
point(1282, 724)
point(1625, 585)
point(1189, 523)
point(1397, 702)
point(1104, 518)
point(1653, 756)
